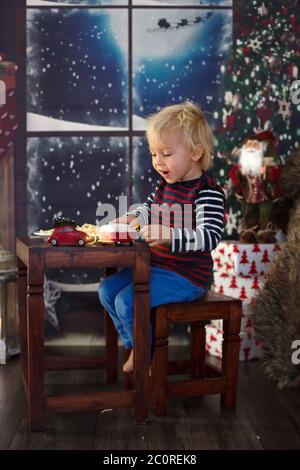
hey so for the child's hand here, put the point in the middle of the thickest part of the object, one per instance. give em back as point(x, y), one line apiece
point(156, 234)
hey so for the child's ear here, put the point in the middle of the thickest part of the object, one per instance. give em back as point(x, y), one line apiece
point(198, 153)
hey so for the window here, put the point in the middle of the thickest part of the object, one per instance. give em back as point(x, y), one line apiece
point(95, 70)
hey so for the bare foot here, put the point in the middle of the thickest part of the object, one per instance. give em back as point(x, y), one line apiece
point(128, 366)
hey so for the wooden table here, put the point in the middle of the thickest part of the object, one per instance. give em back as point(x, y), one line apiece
point(34, 257)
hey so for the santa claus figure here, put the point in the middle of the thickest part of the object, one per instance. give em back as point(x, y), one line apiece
point(255, 181)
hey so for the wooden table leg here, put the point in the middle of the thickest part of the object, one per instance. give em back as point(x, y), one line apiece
point(141, 335)
point(35, 339)
point(22, 309)
point(111, 340)
point(111, 347)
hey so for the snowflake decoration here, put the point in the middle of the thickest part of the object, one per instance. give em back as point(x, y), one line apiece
point(255, 44)
point(284, 109)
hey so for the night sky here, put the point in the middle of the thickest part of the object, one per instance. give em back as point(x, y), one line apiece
point(78, 75)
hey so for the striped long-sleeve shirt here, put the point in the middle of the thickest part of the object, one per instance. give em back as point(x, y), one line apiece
point(195, 212)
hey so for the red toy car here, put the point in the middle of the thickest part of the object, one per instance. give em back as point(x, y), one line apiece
point(65, 233)
point(117, 234)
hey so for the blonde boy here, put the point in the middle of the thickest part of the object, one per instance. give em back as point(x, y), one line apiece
point(182, 220)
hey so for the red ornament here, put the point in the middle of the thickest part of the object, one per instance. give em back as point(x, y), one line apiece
point(264, 115)
point(246, 50)
point(293, 22)
point(230, 121)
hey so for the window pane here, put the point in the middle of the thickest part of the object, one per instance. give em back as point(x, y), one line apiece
point(70, 176)
point(77, 69)
point(144, 175)
point(183, 62)
point(182, 2)
point(55, 3)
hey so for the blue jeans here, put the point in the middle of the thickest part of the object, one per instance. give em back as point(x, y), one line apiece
point(116, 296)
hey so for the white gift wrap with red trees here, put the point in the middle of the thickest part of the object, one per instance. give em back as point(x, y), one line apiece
point(233, 257)
point(240, 270)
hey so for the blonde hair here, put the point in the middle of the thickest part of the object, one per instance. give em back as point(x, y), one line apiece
point(190, 121)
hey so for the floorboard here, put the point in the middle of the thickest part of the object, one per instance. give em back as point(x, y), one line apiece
point(265, 418)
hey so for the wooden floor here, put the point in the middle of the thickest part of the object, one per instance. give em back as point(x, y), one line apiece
point(264, 419)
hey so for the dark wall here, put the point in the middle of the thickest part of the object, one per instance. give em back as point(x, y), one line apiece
point(8, 10)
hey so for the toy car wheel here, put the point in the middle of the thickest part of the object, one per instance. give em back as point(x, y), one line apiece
point(118, 243)
point(54, 242)
point(80, 242)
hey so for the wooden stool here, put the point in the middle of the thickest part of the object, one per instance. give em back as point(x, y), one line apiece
point(205, 378)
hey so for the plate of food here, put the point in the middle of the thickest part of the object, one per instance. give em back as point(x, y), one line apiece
point(43, 233)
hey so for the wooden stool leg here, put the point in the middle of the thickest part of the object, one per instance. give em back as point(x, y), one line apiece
point(230, 355)
point(197, 345)
point(111, 346)
point(159, 367)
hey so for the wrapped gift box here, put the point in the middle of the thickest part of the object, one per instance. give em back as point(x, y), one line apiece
point(246, 322)
point(239, 287)
point(249, 347)
point(240, 271)
point(240, 259)
point(246, 289)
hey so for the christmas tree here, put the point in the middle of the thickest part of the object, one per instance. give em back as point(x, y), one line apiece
point(260, 85)
point(260, 78)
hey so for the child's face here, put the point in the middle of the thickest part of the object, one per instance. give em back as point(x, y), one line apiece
point(172, 160)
